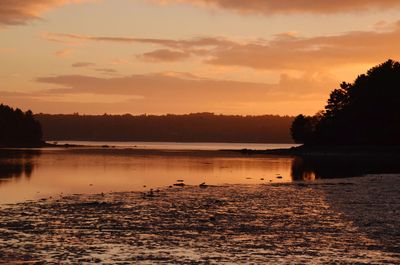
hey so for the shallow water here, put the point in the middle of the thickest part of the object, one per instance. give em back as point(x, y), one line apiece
point(40, 173)
point(26, 175)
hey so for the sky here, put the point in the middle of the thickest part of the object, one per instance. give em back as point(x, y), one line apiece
point(241, 57)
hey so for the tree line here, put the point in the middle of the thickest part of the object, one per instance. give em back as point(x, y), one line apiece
point(365, 112)
point(196, 127)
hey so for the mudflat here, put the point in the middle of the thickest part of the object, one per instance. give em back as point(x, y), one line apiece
point(341, 221)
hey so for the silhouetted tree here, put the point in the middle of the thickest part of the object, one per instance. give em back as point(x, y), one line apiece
point(365, 112)
point(302, 129)
point(18, 129)
point(338, 100)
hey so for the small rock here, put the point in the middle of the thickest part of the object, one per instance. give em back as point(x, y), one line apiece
point(203, 185)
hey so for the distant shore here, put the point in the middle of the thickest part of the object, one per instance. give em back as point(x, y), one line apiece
point(371, 150)
point(38, 145)
point(303, 150)
point(216, 147)
point(116, 150)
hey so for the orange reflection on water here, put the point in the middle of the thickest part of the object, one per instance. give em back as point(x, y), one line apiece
point(64, 171)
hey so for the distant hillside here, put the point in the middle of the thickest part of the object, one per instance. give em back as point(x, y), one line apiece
point(199, 127)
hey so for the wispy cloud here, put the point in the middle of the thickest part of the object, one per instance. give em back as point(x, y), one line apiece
point(92, 66)
point(321, 52)
point(82, 64)
point(286, 51)
point(291, 6)
point(170, 43)
point(19, 12)
point(63, 53)
point(170, 85)
point(107, 71)
point(164, 55)
point(184, 92)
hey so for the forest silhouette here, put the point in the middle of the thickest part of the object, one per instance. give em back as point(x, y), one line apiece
point(196, 127)
point(18, 128)
point(365, 112)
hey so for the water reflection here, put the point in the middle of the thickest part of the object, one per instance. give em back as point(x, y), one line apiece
point(70, 171)
point(309, 168)
point(17, 164)
point(28, 175)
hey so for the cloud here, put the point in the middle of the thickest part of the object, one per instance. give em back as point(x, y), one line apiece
point(170, 43)
point(165, 86)
point(82, 64)
point(321, 52)
point(268, 7)
point(172, 92)
point(63, 53)
point(19, 12)
point(175, 92)
point(119, 61)
point(107, 71)
point(164, 55)
point(286, 51)
point(70, 98)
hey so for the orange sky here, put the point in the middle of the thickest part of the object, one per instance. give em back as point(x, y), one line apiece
point(180, 56)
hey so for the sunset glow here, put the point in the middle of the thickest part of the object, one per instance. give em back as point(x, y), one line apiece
point(185, 56)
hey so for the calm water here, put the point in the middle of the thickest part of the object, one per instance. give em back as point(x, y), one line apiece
point(181, 146)
point(33, 174)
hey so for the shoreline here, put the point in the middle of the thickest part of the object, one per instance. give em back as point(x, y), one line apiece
point(299, 151)
point(334, 151)
point(78, 149)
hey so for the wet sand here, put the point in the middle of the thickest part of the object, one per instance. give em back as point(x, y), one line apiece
point(347, 221)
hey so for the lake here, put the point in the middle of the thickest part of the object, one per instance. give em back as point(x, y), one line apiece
point(40, 173)
point(34, 174)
